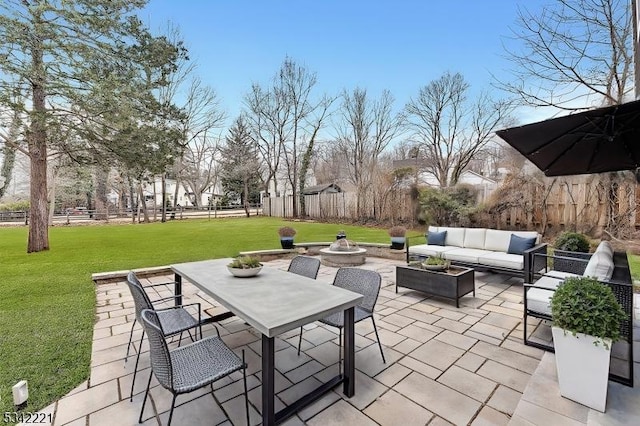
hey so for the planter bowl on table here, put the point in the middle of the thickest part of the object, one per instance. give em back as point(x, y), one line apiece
point(244, 272)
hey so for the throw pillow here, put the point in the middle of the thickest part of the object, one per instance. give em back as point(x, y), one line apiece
point(518, 245)
point(436, 238)
point(600, 267)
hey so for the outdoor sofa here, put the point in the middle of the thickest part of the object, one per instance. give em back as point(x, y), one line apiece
point(609, 268)
point(482, 249)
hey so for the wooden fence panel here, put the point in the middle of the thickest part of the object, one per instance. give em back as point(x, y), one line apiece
point(581, 206)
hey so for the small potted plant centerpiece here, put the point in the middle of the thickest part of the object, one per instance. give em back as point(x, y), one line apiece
point(436, 263)
point(397, 234)
point(586, 322)
point(574, 245)
point(244, 266)
point(286, 236)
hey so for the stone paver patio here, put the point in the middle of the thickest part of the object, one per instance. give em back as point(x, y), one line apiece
point(444, 366)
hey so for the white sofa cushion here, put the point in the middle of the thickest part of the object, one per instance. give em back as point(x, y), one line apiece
point(466, 255)
point(455, 236)
point(474, 238)
point(429, 249)
point(497, 240)
point(502, 260)
point(600, 266)
point(561, 275)
point(605, 247)
point(538, 297)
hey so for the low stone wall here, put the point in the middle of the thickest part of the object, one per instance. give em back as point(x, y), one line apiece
point(373, 249)
point(309, 249)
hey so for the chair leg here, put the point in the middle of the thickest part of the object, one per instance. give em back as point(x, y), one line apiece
point(146, 394)
point(378, 339)
point(339, 350)
point(135, 369)
point(173, 405)
point(300, 341)
point(130, 338)
point(246, 394)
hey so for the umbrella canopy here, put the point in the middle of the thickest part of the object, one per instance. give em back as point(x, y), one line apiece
point(596, 141)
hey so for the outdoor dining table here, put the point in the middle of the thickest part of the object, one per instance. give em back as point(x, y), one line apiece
point(274, 302)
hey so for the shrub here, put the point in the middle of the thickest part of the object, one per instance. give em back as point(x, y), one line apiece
point(449, 207)
point(572, 241)
point(397, 231)
point(16, 206)
point(584, 305)
point(245, 262)
point(286, 231)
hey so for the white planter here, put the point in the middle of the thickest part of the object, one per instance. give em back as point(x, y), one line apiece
point(244, 273)
point(583, 368)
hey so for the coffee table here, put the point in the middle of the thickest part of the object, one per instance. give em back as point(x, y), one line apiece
point(452, 283)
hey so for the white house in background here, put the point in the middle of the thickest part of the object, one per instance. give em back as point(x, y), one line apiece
point(185, 197)
point(483, 184)
point(153, 191)
point(284, 186)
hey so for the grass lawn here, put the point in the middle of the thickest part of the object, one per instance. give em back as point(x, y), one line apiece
point(48, 299)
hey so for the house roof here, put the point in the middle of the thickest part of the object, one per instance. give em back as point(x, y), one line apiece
point(326, 187)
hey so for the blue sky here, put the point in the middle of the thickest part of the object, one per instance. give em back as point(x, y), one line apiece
point(398, 45)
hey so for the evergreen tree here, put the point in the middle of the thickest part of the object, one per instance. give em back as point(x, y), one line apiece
point(87, 70)
point(241, 168)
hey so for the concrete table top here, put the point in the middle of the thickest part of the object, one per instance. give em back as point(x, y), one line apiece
point(272, 302)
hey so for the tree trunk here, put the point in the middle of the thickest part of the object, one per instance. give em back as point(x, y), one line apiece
point(246, 198)
point(142, 205)
point(134, 205)
point(52, 195)
point(164, 198)
point(101, 176)
point(176, 193)
point(37, 142)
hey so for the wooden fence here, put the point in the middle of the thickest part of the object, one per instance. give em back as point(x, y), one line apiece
point(588, 205)
point(343, 205)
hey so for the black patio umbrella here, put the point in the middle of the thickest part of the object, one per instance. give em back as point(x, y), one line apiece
point(596, 141)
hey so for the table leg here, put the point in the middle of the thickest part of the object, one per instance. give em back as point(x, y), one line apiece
point(268, 377)
point(178, 288)
point(349, 385)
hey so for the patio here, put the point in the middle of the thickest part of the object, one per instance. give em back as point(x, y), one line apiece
point(444, 366)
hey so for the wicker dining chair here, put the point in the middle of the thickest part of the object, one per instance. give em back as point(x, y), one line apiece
point(305, 266)
point(173, 321)
point(360, 281)
point(187, 368)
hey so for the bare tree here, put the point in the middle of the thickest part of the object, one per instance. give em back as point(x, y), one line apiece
point(450, 129)
point(283, 122)
point(365, 128)
point(572, 53)
point(201, 115)
point(267, 117)
point(199, 166)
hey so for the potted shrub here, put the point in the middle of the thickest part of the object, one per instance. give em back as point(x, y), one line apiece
point(574, 245)
point(286, 236)
point(245, 266)
point(397, 234)
point(586, 322)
